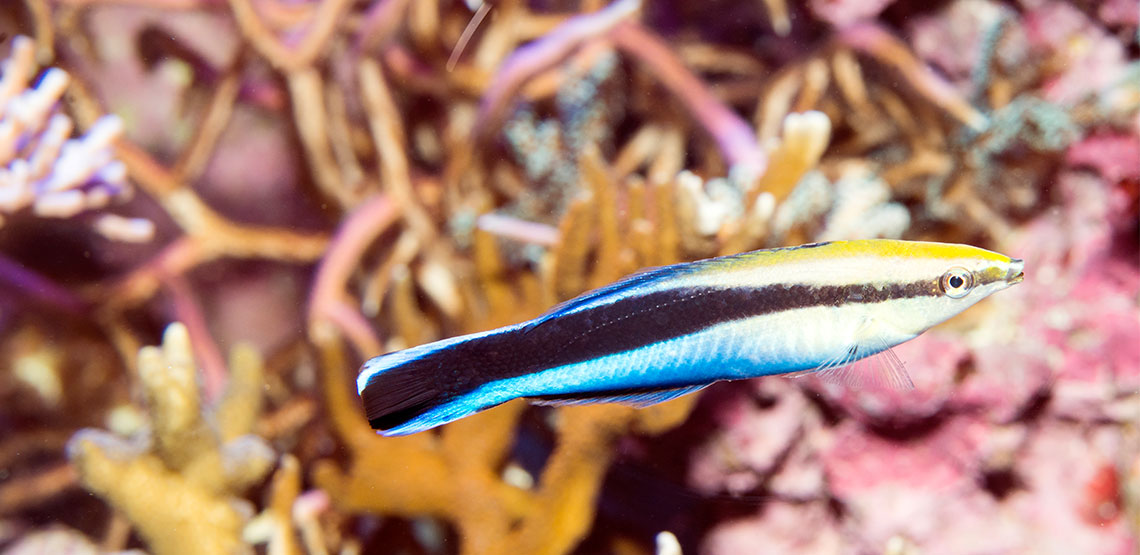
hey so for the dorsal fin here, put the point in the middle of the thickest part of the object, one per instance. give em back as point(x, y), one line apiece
point(639, 278)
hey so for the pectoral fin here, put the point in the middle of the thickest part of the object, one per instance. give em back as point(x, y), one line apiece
point(866, 361)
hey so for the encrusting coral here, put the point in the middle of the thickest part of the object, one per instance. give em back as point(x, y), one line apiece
point(180, 481)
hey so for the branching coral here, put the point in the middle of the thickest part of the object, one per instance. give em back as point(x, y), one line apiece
point(457, 475)
point(288, 508)
point(41, 167)
point(177, 482)
point(442, 168)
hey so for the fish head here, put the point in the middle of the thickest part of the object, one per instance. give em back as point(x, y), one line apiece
point(942, 280)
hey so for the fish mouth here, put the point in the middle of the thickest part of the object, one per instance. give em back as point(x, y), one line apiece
point(1016, 272)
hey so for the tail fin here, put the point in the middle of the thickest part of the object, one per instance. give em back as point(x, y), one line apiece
point(416, 389)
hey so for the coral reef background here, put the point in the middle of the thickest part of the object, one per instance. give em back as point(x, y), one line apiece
point(212, 211)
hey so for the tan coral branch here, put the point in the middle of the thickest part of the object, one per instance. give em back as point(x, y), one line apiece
point(178, 487)
point(322, 26)
point(19, 492)
point(216, 234)
point(875, 41)
point(213, 123)
point(528, 61)
point(309, 114)
point(735, 137)
point(386, 123)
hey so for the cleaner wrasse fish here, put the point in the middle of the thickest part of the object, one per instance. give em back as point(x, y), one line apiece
point(664, 332)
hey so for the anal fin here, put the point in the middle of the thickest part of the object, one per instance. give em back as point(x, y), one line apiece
point(639, 399)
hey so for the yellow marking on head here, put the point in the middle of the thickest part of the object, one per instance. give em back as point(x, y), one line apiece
point(885, 248)
point(909, 249)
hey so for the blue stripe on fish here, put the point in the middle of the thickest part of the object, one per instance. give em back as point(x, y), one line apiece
point(414, 381)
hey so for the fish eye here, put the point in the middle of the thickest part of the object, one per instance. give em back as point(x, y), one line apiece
point(956, 282)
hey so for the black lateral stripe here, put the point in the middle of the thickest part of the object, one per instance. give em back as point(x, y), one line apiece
point(635, 322)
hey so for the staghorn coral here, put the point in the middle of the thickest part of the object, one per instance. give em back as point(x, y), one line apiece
point(177, 482)
point(288, 511)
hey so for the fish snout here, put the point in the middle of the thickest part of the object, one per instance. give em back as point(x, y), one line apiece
point(1016, 271)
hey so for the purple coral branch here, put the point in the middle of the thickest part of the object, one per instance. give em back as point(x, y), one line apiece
point(18, 278)
point(209, 356)
point(380, 23)
point(735, 137)
point(152, 4)
point(355, 327)
point(326, 303)
point(527, 61)
point(519, 230)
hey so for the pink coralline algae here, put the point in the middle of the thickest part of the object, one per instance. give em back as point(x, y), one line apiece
point(1065, 502)
point(1119, 12)
point(1004, 382)
point(1115, 156)
point(1079, 309)
point(934, 361)
point(856, 461)
point(781, 528)
point(975, 25)
point(757, 439)
point(842, 13)
point(1013, 439)
point(915, 489)
point(1093, 60)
